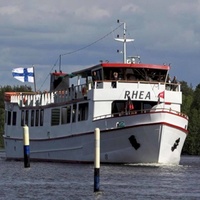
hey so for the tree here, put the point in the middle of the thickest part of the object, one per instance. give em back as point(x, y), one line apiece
point(2, 91)
point(194, 127)
point(187, 96)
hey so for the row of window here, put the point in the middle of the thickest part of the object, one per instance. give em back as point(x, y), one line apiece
point(63, 115)
point(121, 106)
point(68, 114)
point(36, 117)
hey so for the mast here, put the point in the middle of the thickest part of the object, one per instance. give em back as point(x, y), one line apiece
point(60, 63)
point(34, 79)
point(124, 40)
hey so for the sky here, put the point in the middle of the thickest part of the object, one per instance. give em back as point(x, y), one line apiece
point(35, 33)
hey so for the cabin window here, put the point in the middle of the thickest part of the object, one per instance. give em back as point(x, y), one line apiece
point(74, 113)
point(26, 117)
point(9, 118)
point(114, 74)
point(14, 118)
point(41, 117)
point(22, 118)
point(69, 114)
point(83, 112)
point(66, 115)
point(118, 107)
point(37, 118)
point(147, 106)
point(32, 117)
point(55, 116)
point(98, 74)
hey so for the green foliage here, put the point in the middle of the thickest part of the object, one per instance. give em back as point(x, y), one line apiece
point(2, 91)
point(191, 107)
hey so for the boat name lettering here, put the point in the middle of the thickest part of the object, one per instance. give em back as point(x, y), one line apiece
point(137, 95)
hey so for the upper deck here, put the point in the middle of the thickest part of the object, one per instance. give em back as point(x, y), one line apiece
point(111, 78)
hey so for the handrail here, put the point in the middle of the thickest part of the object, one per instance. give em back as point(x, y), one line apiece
point(136, 112)
point(168, 86)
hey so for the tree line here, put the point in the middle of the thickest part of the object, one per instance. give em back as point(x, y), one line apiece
point(190, 106)
point(2, 91)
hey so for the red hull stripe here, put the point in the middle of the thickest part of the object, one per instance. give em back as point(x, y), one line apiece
point(104, 131)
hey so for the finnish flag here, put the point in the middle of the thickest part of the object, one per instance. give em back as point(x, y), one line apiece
point(24, 74)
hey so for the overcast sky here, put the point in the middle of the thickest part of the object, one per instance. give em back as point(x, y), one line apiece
point(37, 32)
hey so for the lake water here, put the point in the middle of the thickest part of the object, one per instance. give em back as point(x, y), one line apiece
point(76, 181)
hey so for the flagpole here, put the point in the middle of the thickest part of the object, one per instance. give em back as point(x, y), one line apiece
point(34, 79)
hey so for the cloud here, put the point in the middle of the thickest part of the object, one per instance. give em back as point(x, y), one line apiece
point(93, 13)
point(37, 32)
point(9, 10)
point(133, 8)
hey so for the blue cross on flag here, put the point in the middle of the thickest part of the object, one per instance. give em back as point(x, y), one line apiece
point(24, 74)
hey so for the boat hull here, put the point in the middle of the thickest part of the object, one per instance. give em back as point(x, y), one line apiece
point(151, 143)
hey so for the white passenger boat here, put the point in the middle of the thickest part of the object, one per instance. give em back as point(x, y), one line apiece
point(136, 109)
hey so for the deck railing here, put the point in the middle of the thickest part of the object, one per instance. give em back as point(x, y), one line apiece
point(114, 84)
point(74, 92)
point(39, 99)
point(137, 112)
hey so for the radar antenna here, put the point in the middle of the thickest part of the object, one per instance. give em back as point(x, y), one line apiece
point(124, 40)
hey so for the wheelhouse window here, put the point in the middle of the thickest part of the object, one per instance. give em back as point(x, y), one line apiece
point(135, 74)
point(98, 74)
point(83, 112)
point(55, 116)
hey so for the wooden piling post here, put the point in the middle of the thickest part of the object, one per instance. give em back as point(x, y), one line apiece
point(26, 146)
point(97, 160)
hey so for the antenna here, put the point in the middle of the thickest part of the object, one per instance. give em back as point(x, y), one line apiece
point(124, 40)
point(60, 62)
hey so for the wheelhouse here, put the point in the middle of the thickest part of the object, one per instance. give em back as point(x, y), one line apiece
point(126, 72)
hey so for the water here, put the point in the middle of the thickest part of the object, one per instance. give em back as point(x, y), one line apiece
point(59, 181)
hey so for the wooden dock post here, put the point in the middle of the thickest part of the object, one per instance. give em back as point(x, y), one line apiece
point(97, 160)
point(26, 146)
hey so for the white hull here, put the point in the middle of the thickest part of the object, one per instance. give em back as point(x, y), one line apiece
point(154, 143)
point(135, 105)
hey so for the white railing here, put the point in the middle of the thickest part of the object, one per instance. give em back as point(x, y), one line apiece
point(115, 84)
point(39, 99)
point(137, 112)
point(74, 92)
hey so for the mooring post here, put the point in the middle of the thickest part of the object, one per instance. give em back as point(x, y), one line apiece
point(97, 160)
point(26, 146)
